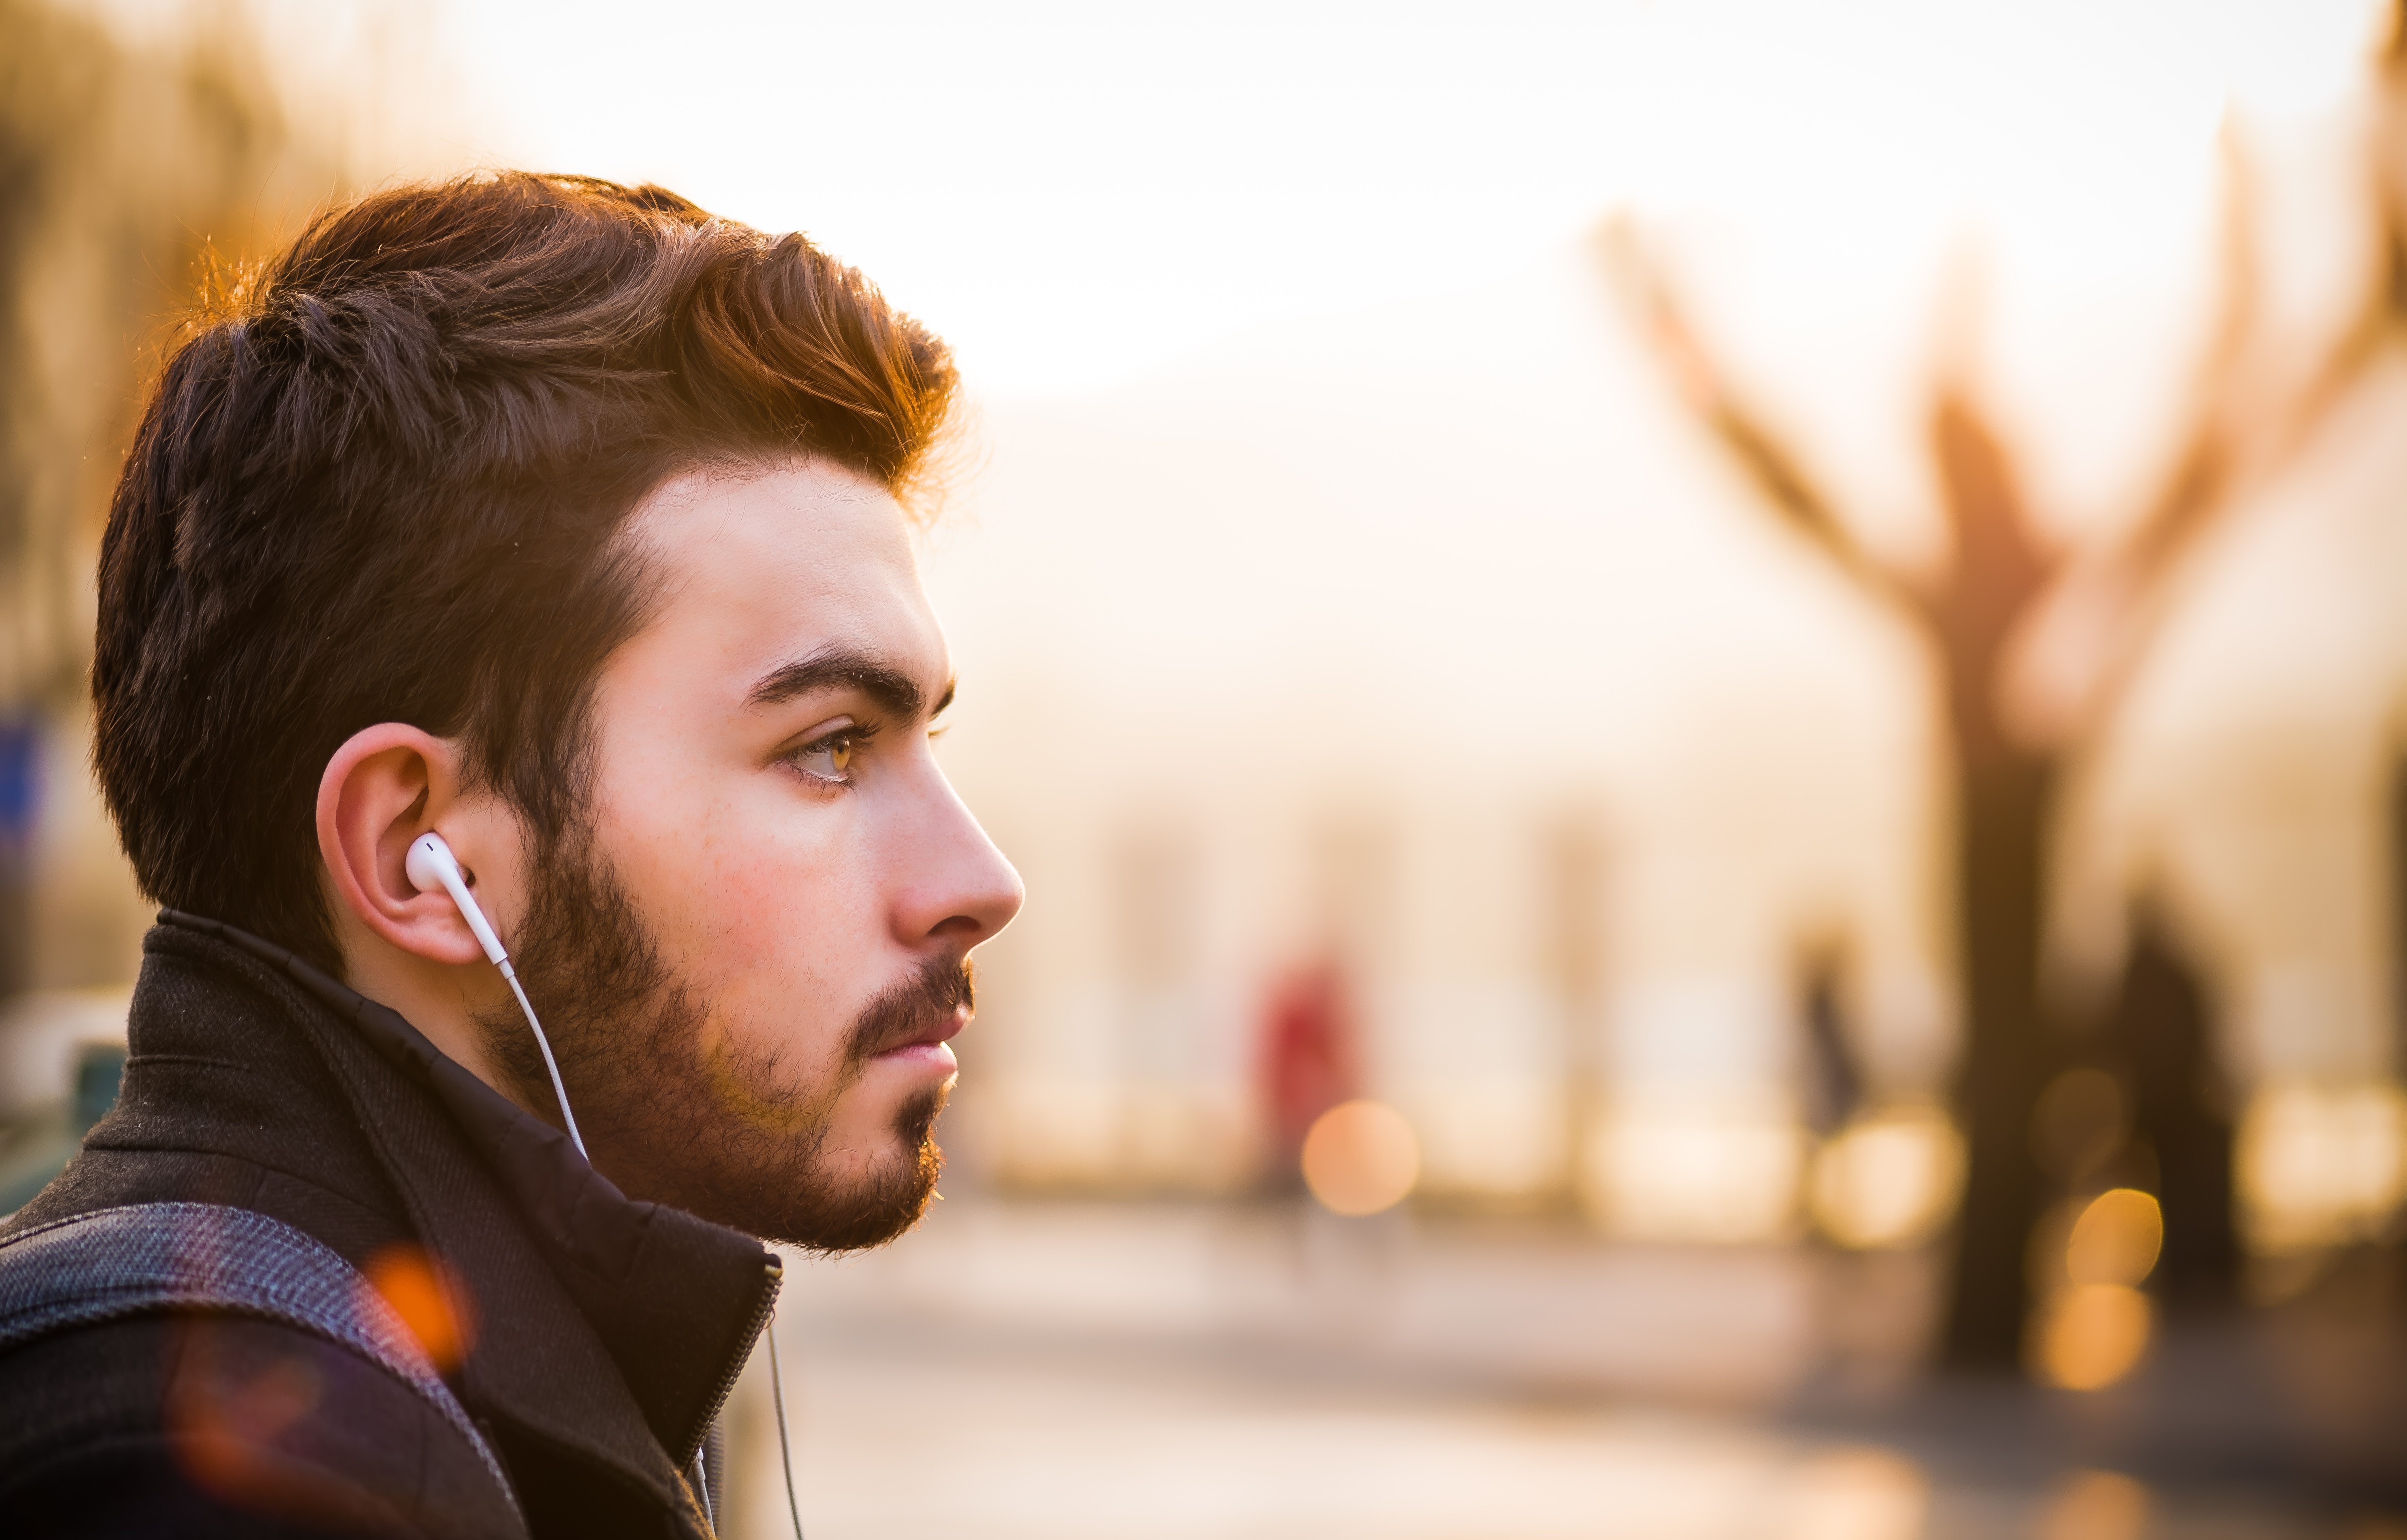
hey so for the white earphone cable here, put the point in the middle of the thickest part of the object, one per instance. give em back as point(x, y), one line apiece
point(448, 875)
point(548, 1063)
point(702, 1486)
point(785, 1445)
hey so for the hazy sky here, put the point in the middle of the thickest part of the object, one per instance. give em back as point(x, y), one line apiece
point(1075, 192)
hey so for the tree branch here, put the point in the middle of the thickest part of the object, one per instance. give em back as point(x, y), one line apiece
point(2072, 665)
point(1717, 404)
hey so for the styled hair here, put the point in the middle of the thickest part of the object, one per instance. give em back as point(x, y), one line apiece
point(383, 477)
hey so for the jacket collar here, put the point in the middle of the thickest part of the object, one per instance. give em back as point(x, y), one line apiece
point(669, 1305)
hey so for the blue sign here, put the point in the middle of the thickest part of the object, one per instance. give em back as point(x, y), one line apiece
point(20, 770)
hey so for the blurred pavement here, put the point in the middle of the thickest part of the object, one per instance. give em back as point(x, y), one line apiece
point(1136, 1370)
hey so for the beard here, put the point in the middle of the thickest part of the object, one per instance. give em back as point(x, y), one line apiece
point(723, 1132)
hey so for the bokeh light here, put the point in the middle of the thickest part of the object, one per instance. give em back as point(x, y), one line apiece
point(1360, 1158)
point(1723, 1170)
point(2092, 1325)
point(2089, 1335)
point(1890, 1180)
point(2117, 1240)
point(429, 1298)
point(2321, 1164)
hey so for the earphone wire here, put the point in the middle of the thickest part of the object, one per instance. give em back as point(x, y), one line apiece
point(548, 1062)
point(777, 1374)
point(785, 1445)
point(702, 1486)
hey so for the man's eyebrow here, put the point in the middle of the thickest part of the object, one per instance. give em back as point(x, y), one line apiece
point(838, 667)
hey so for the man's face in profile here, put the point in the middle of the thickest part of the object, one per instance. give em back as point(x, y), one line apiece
point(752, 959)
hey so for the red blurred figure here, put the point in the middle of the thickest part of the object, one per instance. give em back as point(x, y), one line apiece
point(1307, 1062)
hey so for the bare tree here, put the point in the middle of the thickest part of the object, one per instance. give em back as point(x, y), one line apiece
point(2093, 611)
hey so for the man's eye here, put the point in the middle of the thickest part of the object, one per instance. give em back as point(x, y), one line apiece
point(829, 759)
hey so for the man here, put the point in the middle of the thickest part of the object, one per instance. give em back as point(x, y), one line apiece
point(565, 523)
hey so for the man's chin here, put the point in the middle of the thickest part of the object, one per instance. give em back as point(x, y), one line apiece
point(871, 1212)
point(818, 1212)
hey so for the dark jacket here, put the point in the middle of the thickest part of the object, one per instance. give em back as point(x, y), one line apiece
point(605, 1334)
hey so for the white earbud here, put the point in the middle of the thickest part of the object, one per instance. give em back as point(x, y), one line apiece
point(430, 864)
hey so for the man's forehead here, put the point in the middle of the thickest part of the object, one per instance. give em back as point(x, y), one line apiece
point(791, 506)
point(792, 573)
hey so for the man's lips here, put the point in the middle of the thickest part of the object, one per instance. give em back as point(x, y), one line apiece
point(934, 1037)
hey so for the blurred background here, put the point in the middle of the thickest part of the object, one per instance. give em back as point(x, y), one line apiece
point(1702, 702)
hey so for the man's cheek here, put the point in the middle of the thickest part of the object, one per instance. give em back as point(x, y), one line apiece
point(812, 964)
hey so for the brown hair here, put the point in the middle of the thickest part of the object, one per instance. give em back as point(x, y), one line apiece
point(381, 480)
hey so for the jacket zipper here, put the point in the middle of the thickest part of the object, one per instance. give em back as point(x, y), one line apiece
point(775, 1279)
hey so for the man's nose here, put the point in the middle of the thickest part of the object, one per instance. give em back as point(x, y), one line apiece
point(957, 888)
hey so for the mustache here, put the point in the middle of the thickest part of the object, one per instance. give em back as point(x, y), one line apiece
point(921, 1004)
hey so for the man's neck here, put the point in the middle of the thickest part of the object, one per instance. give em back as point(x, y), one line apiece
point(442, 1002)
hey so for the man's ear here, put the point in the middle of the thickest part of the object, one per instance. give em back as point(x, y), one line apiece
point(384, 787)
